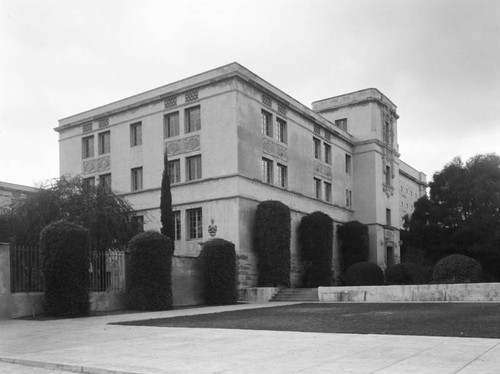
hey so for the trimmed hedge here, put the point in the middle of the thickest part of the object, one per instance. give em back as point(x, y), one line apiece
point(149, 280)
point(364, 274)
point(272, 243)
point(354, 245)
point(65, 255)
point(219, 271)
point(399, 274)
point(316, 237)
point(457, 268)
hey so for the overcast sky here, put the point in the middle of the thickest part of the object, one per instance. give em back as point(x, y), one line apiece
point(438, 61)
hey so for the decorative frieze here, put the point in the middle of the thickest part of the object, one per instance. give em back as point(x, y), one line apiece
point(282, 109)
point(96, 165)
point(103, 122)
point(185, 145)
point(267, 101)
point(87, 127)
point(389, 190)
point(170, 102)
point(317, 129)
point(389, 237)
point(274, 149)
point(328, 135)
point(191, 96)
point(322, 170)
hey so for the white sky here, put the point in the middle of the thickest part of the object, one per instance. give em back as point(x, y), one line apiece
point(438, 61)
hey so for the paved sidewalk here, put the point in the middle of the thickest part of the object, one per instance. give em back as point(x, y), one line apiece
point(90, 345)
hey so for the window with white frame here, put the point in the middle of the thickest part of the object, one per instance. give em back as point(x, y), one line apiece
point(267, 171)
point(177, 225)
point(328, 192)
point(328, 154)
point(104, 142)
point(266, 123)
point(89, 182)
point(281, 175)
point(342, 123)
point(174, 171)
point(88, 147)
point(135, 134)
point(105, 180)
point(136, 179)
point(281, 130)
point(348, 164)
point(194, 223)
point(171, 125)
point(317, 188)
point(192, 119)
point(317, 148)
point(193, 168)
point(348, 198)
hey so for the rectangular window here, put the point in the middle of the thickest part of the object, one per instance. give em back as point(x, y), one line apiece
point(266, 124)
point(171, 125)
point(280, 130)
point(135, 134)
point(342, 123)
point(348, 164)
point(348, 198)
point(267, 171)
point(328, 192)
point(174, 171)
point(136, 179)
point(281, 175)
point(104, 142)
point(138, 224)
point(192, 119)
point(388, 217)
point(89, 182)
point(193, 168)
point(194, 223)
point(388, 176)
point(88, 147)
point(328, 154)
point(105, 180)
point(317, 148)
point(177, 225)
point(317, 189)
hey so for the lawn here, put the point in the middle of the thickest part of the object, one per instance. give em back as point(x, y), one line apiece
point(431, 319)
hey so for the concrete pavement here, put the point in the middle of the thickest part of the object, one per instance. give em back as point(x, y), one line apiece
point(91, 345)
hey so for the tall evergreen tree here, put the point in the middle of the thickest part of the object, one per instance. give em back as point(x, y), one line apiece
point(167, 215)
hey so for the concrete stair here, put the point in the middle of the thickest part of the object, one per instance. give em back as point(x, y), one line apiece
point(297, 294)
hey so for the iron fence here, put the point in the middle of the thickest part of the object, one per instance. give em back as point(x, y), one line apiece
point(107, 271)
point(25, 270)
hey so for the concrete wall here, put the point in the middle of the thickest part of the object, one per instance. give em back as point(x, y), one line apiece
point(187, 281)
point(472, 292)
point(257, 294)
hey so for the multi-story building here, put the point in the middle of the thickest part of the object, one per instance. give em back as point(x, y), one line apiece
point(234, 140)
point(11, 193)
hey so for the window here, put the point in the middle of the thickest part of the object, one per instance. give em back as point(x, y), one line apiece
point(192, 118)
point(104, 142)
point(138, 223)
point(280, 130)
point(136, 179)
point(328, 192)
point(194, 224)
point(174, 171)
point(317, 189)
point(281, 175)
point(342, 123)
point(89, 182)
point(88, 147)
point(328, 154)
point(348, 198)
point(135, 134)
point(317, 148)
point(348, 164)
point(105, 180)
point(267, 171)
point(171, 125)
point(388, 217)
point(177, 225)
point(266, 124)
point(388, 176)
point(193, 168)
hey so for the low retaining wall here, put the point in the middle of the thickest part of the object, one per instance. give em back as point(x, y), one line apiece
point(470, 292)
point(257, 294)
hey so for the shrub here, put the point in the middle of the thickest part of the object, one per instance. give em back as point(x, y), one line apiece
point(219, 271)
point(399, 274)
point(364, 274)
point(272, 243)
point(65, 255)
point(457, 268)
point(149, 277)
point(316, 237)
point(354, 246)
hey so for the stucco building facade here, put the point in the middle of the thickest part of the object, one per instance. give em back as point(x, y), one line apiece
point(234, 140)
point(11, 193)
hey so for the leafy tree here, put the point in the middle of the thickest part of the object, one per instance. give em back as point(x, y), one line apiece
point(167, 215)
point(354, 246)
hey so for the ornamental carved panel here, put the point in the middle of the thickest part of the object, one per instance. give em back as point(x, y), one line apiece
point(185, 145)
point(96, 165)
point(274, 149)
point(322, 170)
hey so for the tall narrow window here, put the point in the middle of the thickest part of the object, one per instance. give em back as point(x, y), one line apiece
point(192, 119)
point(89, 182)
point(317, 148)
point(177, 225)
point(193, 168)
point(348, 164)
point(281, 175)
point(388, 217)
point(328, 192)
point(174, 171)
point(136, 179)
point(388, 176)
point(194, 223)
point(266, 123)
point(104, 142)
point(317, 188)
point(281, 130)
point(135, 134)
point(138, 223)
point(171, 125)
point(348, 198)
point(88, 147)
point(328, 154)
point(105, 181)
point(267, 171)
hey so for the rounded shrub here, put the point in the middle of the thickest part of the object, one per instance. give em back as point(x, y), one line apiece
point(219, 271)
point(399, 274)
point(316, 237)
point(354, 246)
point(272, 243)
point(457, 268)
point(149, 280)
point(65, 255)
point(364, 274)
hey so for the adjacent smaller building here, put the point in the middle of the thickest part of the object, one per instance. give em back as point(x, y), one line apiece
point(11, 193)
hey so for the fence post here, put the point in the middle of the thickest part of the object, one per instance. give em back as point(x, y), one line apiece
point(4, 269)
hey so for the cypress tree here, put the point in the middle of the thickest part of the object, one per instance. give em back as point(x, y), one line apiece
point(167, 215)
